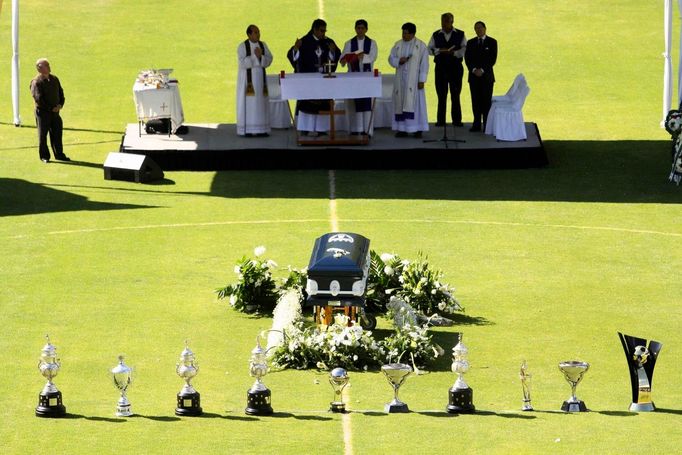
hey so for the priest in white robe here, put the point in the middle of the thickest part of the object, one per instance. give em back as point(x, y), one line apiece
point(410, 58)
point(253, 112)
point(359, 53)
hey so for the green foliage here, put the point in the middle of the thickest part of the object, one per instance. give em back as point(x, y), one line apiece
point(423, 289)
point(255, 290)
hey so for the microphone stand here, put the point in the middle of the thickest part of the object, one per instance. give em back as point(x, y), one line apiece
point(445, 138)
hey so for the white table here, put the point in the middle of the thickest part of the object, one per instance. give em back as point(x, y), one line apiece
point(316, 86)
point(152, 103)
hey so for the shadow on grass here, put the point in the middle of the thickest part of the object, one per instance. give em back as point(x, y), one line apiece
point(20, 197)
point(579, 171)
point(465, 319)
point(287, 415)
point(506, 415)
point(157, 418)
point(211, 415)
point(669, 411)
point(94, 418)
point(617, 413)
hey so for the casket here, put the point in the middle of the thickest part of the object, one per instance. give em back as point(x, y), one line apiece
point(338, 270)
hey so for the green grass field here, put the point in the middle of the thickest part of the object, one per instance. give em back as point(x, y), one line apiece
point(549, 263)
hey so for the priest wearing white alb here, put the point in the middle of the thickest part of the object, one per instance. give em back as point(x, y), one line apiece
point(410, 58)
point(359, 53)
point(253, 115)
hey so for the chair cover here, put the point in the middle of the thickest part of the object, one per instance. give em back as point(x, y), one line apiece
point(383, 108)
point(279, 108)
point(506, 122)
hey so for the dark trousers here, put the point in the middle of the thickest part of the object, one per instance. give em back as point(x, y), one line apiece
point(48, 122)
point(481, 99)
point(449, 79)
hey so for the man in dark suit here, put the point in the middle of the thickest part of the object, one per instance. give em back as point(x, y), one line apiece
point(448, 45)
point(480, 57)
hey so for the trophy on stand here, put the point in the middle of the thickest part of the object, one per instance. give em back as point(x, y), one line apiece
point(338, 378)
point(122, 375)
point(460, 395)
point(641, 362)
point(49, 399)
point(574, 371)
point(525, 377)
point(396, 373)
point(258, 396)
point(189, 400)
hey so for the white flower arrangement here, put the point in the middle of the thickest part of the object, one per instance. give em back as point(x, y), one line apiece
point(255, 290)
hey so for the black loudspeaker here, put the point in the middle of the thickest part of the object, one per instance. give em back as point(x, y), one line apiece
point(131, 167)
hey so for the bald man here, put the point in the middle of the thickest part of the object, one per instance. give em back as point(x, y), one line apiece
point(49, 99)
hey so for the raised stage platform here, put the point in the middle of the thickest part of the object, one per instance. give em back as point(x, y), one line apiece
point(211, 146)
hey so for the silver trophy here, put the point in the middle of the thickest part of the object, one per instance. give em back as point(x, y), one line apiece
point(122, 375)
point(396, 373)
point(460, 395)
point(525, 377)
point(338, 378)
point(258, 397)
point(574, 371)
point(49, 399)
point(189, 400)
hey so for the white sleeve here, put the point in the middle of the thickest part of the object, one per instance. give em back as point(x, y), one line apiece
point(424, 67)
point(394, 58)
point(460, 53)
point(244, 61)
point(373, 53)
point(266, 59)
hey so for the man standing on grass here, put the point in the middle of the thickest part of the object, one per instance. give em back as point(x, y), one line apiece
point(480, 57)
point(253, 112)
point(410, 58)
point(49, 99)
point(448, 45)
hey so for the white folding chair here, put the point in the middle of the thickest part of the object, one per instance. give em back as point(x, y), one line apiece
point(280, 116)
point(506, 123)
point(383, 108)
point(504, 100)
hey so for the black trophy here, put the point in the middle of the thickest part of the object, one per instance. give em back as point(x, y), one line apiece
point(258, 396)
point(50, 399)
point(460, 395)
point(641, 362)
point(189, 400)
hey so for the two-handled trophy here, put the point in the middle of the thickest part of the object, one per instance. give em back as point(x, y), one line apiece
point(641, 362)
point(525, 377)
point(50, 398)
point(258, 397)
point(573, 371)
point(460, 395)
point(396, 373)
point(122, 376)
point(338, 378)
point(189, 400)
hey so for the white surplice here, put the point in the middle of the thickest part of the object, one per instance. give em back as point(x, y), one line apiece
point(358, 122)
point(253, 114)
point(418, 53)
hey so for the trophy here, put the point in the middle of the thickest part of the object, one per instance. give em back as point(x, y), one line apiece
point(258, 396)
point(525, 377)
point(122, 375)
point(641, 362)
point(49, 399)
point(189, 400)
point(396, 373)
point(573, 371)
point(460, 395)
point(338, 378)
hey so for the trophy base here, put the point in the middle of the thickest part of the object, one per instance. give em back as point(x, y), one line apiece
point(461, 401)
point(395, 408)
point(123, 411)
point(642, 407)
point(50, 405)
point(336, 406)
point(574, 406)
point(258, 403)
point(189, 405)
point(527, 407)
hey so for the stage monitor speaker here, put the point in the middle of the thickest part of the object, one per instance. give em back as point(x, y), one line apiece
point(131, 167)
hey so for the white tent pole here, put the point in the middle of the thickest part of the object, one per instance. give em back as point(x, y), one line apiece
point(15, 62)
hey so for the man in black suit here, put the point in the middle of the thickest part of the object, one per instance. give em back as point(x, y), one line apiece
point(480, 57)
point(447, 45)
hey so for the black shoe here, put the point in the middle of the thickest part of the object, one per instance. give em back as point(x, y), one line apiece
point(62, 158)
point(418, 134)
point(440, 124)
point(401, 134)
point(475, 128)
point(457, 124)
point(45, 160)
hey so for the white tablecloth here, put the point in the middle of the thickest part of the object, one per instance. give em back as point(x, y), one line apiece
point(153, 103)
point(314, 86)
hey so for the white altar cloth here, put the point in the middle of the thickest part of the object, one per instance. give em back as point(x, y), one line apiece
point(153, 103)
point(314, 86)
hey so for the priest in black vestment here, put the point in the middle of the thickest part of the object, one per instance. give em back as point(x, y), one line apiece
point(309, 55)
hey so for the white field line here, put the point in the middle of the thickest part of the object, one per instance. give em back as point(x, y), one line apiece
point(360, 220)
point(347, 429)
point(320, 9)
point(333, 218)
